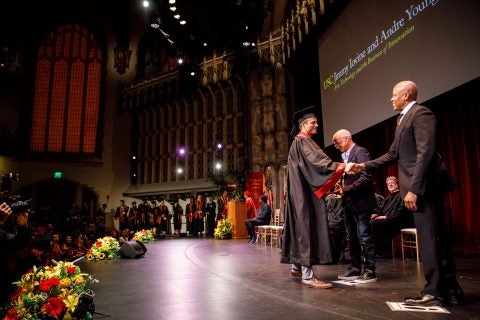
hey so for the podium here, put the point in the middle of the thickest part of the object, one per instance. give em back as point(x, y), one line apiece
point(237, 213)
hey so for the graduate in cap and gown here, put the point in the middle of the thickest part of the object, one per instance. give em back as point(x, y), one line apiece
point(310, 175)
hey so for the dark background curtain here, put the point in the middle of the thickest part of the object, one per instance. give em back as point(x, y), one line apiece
point(458, 115)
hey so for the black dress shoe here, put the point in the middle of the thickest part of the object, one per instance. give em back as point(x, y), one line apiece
point(424, 301)
point(455, 297)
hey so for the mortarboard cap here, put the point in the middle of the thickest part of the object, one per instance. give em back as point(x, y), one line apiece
point(301, 115)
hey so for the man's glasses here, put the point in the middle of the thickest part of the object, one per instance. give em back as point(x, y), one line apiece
point(336, 143)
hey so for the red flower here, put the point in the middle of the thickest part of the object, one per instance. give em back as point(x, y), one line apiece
point(48, 284)
point(54, 306)
point(98, 243)
point(71, 269)
point(11, 314)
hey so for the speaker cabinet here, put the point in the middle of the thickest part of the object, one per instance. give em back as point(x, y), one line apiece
point(132, 249)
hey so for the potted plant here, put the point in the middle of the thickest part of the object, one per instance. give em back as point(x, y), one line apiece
point(223, 229)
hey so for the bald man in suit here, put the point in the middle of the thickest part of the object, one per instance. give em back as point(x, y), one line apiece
point(424, 182)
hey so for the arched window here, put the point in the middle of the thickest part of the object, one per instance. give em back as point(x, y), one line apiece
point(67, 92)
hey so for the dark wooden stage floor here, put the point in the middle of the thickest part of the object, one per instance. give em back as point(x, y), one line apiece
point(183, 279)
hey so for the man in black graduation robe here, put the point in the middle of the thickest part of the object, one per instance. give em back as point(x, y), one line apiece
point(310, 174)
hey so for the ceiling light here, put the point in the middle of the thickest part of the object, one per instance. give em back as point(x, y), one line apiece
point(180, 60)
point(177, 16)
point(171, 1)
point(246, 44)
point(205, 44)
point(173, 9)
point(192, 73)
point(154, 25)
point(183, 22)
point(145, 4)
point(253, 44)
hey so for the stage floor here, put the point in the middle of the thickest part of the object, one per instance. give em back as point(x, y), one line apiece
point(186, 278)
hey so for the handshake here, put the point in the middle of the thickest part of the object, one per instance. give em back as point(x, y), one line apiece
point(353, 168)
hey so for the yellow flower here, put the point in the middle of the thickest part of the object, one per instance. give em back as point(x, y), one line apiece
point(110, 257)
point(65, 282)
point(89, 257)
point(71, 302)
point(79, 279)
point(101, 256)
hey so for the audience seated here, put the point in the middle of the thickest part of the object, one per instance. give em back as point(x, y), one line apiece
point(388, 219)
point(264, 214)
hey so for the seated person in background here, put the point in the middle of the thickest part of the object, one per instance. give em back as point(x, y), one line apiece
point(124, 237)
point(264, 214)
point(388, 219)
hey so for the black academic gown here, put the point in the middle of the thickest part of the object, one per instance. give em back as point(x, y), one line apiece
point(306, 238)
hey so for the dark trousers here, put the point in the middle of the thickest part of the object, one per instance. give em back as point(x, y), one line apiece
point(251, 223)
point(435, 248)
point(359, 238)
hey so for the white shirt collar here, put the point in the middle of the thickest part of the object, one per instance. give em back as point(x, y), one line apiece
point(346, 154)
point(407, 108)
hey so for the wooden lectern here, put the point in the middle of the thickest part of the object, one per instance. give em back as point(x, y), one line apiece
point(237, 213)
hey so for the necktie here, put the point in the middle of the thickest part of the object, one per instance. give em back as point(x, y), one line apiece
point(400, 116)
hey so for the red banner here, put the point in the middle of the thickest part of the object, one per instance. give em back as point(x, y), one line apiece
point(255, 186)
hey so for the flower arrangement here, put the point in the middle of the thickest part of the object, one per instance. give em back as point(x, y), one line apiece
point(144, 236)
point(106, 247)
point(49, 292)
point(223, 229)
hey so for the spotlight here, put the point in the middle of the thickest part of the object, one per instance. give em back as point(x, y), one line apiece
point(192, 73)
point(177, 16)
point(146, 4)
point(205, 44)
point(181, 151)
point(219, 146)
point(183, 22)
point(134, 157)
point(180, 60)
point(173, 8)
point(171, 1)
point(218, 165)
point(179, 170)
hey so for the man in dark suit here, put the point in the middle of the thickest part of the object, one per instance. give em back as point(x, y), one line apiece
point(424, 182)
point(358, 201)
point(263, 217)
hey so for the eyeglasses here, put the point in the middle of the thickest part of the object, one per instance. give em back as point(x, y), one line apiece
point(336, 143)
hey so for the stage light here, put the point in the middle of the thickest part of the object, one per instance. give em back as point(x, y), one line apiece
point(181, 151)
point(219, 146)
point(177, 16)
point(134, 157)
point(180, 60)
point(218, 165)
point(183, 22)
point(192, 73)
point(171, 1)
point(173, 8)
point(205, 44)
point(179, 170)
point(146, 4)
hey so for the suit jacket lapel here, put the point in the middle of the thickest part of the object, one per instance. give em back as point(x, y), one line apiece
point(401, 126)
point(352, 153)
